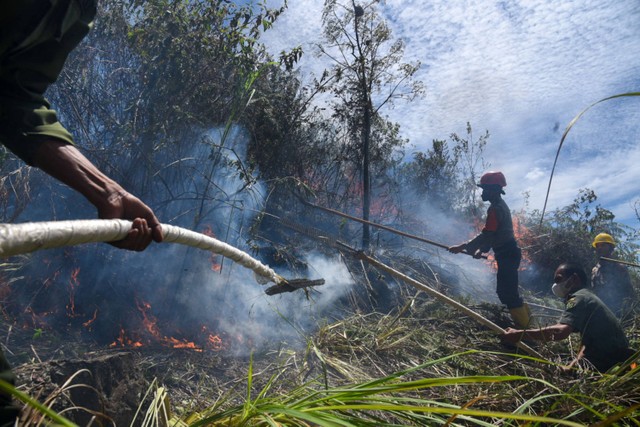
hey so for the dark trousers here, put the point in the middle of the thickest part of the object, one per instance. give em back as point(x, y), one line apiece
point(508, 259)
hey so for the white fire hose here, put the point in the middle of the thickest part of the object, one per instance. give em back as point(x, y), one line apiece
point(16, 239)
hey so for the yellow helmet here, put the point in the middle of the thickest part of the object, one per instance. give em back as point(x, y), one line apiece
point(603, 238)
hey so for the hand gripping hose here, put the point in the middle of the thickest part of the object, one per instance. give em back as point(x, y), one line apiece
point(16, 239)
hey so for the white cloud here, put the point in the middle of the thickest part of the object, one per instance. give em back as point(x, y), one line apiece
point(522, 71)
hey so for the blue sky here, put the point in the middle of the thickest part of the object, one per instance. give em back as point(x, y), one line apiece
point(521, 70)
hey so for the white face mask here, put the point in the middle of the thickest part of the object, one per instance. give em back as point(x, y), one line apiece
point(560, 289)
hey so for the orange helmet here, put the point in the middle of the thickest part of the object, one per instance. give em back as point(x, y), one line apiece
point(493, 178)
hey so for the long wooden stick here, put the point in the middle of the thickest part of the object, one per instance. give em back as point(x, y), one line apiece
point(383, 227)
point(619, 261)
point(28, 237)
point(453, 303)
point(557, 310)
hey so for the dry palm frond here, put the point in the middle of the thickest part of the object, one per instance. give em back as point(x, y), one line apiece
point(35, 413)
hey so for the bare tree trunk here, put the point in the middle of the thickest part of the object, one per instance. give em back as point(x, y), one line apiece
point(366, 179)
point(365, 99)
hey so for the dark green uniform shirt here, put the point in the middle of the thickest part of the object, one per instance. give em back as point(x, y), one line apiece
point(36, 36)
point(611, 282)
point(601, 332)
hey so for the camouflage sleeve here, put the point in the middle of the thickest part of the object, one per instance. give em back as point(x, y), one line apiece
point(34, 45)
point(23, 129)
point(574, 314)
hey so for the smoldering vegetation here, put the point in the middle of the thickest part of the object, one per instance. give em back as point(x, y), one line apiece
point(218, 138)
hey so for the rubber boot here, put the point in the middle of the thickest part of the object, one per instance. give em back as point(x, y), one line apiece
point(521, 316)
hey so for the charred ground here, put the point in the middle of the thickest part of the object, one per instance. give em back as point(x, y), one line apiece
point(382, 327)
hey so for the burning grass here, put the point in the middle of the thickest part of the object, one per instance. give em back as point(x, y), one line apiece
point(427, 366)
point(422, 364)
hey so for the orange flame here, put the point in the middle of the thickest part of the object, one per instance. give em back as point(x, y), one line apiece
point(88, 323)
point(215, 265)
point(150, 323)
point(73, 285)
point(176, 343)
point(124, 341)
point(522, 235)
point(215, 342)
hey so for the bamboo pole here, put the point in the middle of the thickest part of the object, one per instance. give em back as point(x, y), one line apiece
point(418, 285)
point(453, 303)
point(384, 227)
point(16, 239)
point(557, 310)
point(619, 261)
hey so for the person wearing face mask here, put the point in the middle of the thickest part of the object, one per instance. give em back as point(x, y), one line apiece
point(610, 280)
point(497, 235)
point(604, 343)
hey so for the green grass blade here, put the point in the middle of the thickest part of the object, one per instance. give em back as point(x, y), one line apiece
point(60, 420)
point(564, 135)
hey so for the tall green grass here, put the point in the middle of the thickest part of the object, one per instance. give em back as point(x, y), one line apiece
point(400, 370)
point(392, 401)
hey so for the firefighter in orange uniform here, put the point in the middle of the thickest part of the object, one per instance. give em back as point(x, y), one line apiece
point(497, 234)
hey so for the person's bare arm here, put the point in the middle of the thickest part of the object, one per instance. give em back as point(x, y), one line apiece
point(67, 164)
point(555, 332)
